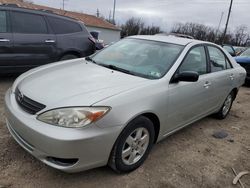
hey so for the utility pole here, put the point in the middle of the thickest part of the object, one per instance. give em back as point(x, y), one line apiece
point(218, 26)
point(114, 11)
point(63, 3)
point(228, 17)
point(97, 13)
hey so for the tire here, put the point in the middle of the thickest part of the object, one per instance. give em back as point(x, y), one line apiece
point(134, 145)
point(68, 57)
point(226, 107)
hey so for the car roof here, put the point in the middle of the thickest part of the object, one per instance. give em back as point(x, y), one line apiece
point(38, 11)
point(169, 39)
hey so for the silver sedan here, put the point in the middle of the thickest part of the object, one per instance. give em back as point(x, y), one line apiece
point(112, 107)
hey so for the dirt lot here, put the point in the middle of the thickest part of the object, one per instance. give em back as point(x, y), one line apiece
point(189, 158)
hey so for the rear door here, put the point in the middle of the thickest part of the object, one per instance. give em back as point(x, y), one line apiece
point(71, 36)
point(6, 40)
point(33, 44)
point(222, 74)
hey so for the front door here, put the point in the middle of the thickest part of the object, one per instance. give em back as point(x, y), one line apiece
point(6, 41)
point(190, 100)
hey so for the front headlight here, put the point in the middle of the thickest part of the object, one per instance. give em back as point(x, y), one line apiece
point(73, 117)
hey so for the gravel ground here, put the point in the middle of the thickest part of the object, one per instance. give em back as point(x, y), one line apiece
point(190, 158)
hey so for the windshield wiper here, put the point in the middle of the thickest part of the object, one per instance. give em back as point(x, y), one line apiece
point(113, 67)
point(90, 59)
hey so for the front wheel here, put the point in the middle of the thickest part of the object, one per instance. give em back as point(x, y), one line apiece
point(133, 145)
point(226, 107)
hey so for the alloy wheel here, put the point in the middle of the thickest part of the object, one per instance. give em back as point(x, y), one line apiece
point(227, 105)
point(135, 146)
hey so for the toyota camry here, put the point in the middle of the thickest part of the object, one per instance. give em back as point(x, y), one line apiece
point(111, 108)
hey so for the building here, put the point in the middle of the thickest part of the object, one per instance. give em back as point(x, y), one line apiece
point(108, 32)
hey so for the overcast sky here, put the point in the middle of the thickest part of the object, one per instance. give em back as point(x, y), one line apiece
point(163, 13)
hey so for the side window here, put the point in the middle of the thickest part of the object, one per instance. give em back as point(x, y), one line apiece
point(61, 26)
point(195, 61)
point(3, 22)
point(218, 60)
point(28, 23)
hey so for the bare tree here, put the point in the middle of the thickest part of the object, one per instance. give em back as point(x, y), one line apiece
point(240, 35)
point(198, 31)
point(135, 26)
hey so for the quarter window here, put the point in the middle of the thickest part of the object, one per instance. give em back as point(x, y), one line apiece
point(61, 26)
point(3, 22)
point(218, 60)
point(28, 23)
point(195, 61)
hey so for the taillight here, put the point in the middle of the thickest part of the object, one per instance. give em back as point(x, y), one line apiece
point(92, 39)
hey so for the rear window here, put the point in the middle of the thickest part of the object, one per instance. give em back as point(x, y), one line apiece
point(3, 22)
point(61, 26)
point(28, 23)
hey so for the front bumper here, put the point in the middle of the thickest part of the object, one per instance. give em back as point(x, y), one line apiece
point(90, 146)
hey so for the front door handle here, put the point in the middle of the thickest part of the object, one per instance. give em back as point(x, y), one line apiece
point(50, 41)
point(4, 40)
point(207, 85)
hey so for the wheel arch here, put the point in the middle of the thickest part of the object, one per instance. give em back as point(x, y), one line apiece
point(156, 122)
point(152, 117)
point(71, 52)
point(235, 92)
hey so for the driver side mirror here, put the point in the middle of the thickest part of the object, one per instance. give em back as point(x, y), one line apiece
point(186, 76)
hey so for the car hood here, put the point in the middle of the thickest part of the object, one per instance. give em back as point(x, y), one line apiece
point(242, 59)
point(76, 83)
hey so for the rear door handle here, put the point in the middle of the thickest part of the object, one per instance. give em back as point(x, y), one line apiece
point(207, 84)
point(4, 40)
point(50, 41)
point(231, 77)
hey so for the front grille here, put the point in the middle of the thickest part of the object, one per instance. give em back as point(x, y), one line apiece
point(28, 105)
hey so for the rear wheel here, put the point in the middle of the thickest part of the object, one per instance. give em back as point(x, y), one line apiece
point(226, 107)
point(133, 145)
point(68, 57)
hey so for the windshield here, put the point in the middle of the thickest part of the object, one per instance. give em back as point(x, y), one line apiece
point(148, 59)
point(246, 53)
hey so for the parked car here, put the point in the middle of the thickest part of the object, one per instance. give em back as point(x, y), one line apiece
point(244, 60)
point(230, 49)
point(239, 50)
point(98, 42)
point(30, 38)
point(112, 107)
